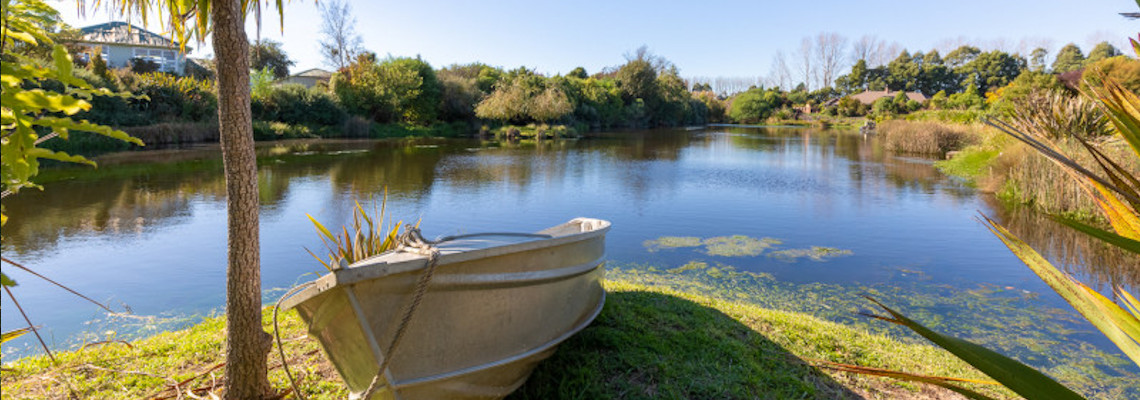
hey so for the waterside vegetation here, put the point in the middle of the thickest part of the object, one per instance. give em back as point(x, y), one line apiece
point(649, 342)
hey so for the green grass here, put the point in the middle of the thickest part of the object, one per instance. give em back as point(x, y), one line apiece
point(971, 163)
point(649, 342)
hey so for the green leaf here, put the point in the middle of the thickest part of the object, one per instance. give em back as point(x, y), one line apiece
point(40, 152)
point(38, 99)
point(321, 228)
point(1018, 377)
point(5, 281)
point(1076, 294)
point(1122, 242)
point(83, 125)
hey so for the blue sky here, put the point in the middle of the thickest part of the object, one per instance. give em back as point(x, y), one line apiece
point(709, 38)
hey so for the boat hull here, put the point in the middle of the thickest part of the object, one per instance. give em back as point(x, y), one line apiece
point(488, 317)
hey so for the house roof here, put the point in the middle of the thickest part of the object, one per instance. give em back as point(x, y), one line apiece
point(125, 34)
point(314, 73)
point(869, 97)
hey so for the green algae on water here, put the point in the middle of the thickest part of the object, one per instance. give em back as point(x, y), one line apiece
point(815, 253)
point(738, 246)
point(671, 242)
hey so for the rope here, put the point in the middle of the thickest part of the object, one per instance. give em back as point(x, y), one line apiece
point(411, 241)
point(277, 336)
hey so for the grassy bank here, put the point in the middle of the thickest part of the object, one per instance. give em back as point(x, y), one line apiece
point(183, 133)
point(996, 163)
point(648, 342)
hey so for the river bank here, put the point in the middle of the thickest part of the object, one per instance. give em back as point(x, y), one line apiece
point(648, 342)
point(993, 162)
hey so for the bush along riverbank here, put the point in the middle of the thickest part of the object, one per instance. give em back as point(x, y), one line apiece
point(648, 342)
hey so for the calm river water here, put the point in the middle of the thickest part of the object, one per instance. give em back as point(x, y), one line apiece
point(841, 216)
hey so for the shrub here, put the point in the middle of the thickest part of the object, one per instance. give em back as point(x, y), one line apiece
point(967, 100)
point(526, 97)
point(175, 98)
point(295, 104)
point(396, 90)
point(168, 99)
point(1056, 114)
point(1121, 69)
point(849, 107)
point(266, 130)
point(143, 65)
point(884, 106)
point(755, 105)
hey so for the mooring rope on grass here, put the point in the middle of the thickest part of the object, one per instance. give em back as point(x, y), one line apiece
point(411, 241)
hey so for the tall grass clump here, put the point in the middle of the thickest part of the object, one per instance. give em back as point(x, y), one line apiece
point(1055, 114)
point(1033, 179)
point(1068, 123)
point(365, 237)
point(925, 137)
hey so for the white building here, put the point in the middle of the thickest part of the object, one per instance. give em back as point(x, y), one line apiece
point(122, 42)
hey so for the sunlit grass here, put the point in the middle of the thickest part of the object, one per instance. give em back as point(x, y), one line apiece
point(649, 342)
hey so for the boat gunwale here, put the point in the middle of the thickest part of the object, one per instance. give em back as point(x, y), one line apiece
point(383, 265)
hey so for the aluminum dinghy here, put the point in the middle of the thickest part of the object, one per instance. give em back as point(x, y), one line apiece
point(495, 307)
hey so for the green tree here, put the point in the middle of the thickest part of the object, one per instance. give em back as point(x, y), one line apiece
point(395, 90)
point(1006, 99)
point(935, 75)
point(1069, 58)
point(269, 54)
point(1037, 59)
point(754, 105)
point(903, 72)
point(1121, 69)
point(638, 80)
point(991, 70)
point(855, 81)
point(459, 93)
point(579, 73)
point(525, 97)
point(961, 56)
point(1102, 51)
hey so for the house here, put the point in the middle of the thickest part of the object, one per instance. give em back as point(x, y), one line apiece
point(121, 42)
point(868, 97)
point(309, 78)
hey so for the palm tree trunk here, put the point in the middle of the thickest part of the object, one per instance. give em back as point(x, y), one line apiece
point(247, 344)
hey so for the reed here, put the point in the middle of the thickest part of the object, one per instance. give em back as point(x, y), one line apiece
point(926, 137)
point(1032, 179)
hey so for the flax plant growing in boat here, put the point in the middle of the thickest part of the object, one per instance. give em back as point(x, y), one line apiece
point(367, 237)
point(1117, 193)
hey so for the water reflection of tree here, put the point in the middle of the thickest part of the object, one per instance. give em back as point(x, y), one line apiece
point(404, 168)
point(1103, 266)
point(134, 192)
point(122, 206)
